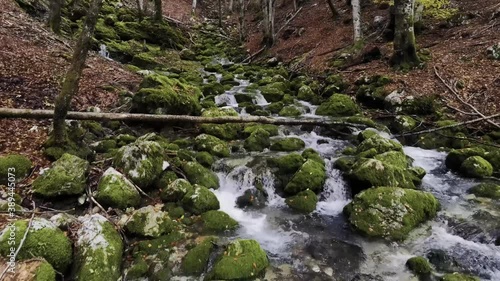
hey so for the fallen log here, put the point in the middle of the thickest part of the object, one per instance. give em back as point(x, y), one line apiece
point(73, 115)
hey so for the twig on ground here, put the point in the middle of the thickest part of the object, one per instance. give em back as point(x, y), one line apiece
point(288, 21)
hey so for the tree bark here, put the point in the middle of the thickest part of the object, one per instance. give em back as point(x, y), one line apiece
point(158, 11)
point(220, 13)
point(194, 7)
point(70, 83)
point(242, 20)
point(154, 118)
point(335, 13)
point(405, 51)
point(140, 9)
point(268, 10)
point(55, 15)
point(356, 20)
point(231, 4)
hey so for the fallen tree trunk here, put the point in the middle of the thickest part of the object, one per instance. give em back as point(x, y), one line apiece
point(46, 114)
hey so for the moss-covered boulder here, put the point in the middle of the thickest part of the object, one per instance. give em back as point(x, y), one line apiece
point(290, 111)
point(420, 266)
point(18, 166)
point(197, 174)
point(99, 250)
point(217, 222)
point(273, 92)
point(141, 161)
point(379, 144)
point(304, 202)
point(288, 144)
point(476, 167)
point(311, 175)
point(456, 157)
point(204, 158)
point(271, 129)
point(305, 93)
point(242, 260)
point(224, 131)
point(311, 154)
point(404, 123)
point(115, 190)
point(67, 176)
point(390, 212)
point(287, 164)
point(196, 260)
point(458, 277)
point(487, 190)
point(338, 105)
point(258, 140)
point(31, 270)
point(493, 156)
point(176, 190)
point(150, 221)
point(44, 240)
point(211, 144)
point(200, 200)
point(395, 158)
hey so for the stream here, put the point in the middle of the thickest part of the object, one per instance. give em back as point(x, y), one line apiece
point(321, 246)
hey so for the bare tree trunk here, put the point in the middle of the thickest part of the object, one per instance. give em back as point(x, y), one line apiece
point(242, 20)
point(220, 13)
point(70, 84)
point(335, 13)
point(55, 15)
point(356, 20)
point(231, 4)
point(140, 9)
point(158, 11)
point(268, 10)
point(405, 51)
point(295, 5)
point(194, 7)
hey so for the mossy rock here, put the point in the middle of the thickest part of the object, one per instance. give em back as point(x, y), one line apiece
point(271, 129)
point(197, 174)
point(304, 202)
point(165, 179)
point(275, 107)
point(99, 250)
point(218, 221)
point(420, 266)
point(137, 270)
point(141, 161)
point(345, 163)
point(311, 154)
point(311, 175)
point(204, 158)
point(366, 134)
point(476, 167)
point(493, 156)
point(288, 144)
point(187, 54)
point(258, 140)
point(395, 158)
point(116, 191)
point(390, 212)
point(17, 165)
point(404, 123)
point(287, 164)
point(290, 111)
point(458, 277)
point(144, 61)
point(456, 157)
point(44, 240)
point(225, 131)
point(380, 144)
point(487, 190)
point(213, 88)
point(176, 190)
point(211, 144)
point(200, 200)
point(67, 176)
point(242, 260)
point(105, 146)
point(150, 221)
point(338, 105)
point(32, 270)
point(196, 260)
point(305, 93)
point(425, 105)
point(273, 92)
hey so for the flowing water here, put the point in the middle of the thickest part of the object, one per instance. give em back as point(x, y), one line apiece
point(321, 243)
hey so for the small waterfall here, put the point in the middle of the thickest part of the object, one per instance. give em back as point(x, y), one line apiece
point(226, 99)
point(259, 100)
point(335, 192)
point(311, 108)
point(104, 52)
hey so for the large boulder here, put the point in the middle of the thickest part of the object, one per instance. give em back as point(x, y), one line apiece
point(338, 105)
point(459, 277)
point(17, 166)
point(456, 157)
point(65, 177)
point(258, 140)
point(116, 191)
point(273, 92)
point(311, 175)
point(487, 190)
point(288, 144)
point(224, 131)
point(217, 221)
point(44, 240)
point(378, 144)
point(176, 190)
point(99, 250)
point(213, 145)
point(304, 202)
point(200, 200)
point(141, 161)
point(31, 270)
point(476, 167)
point(390, 212)
point(242, 260)
point(150, 221)
point(197, 174)
point(196, 260)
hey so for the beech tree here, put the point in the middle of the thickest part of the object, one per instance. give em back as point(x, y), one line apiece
point(356, 20)
point(158, 11)
point(405, 51)
point(194, 7)
point(72, 78)
point(55, 15)
point(241, 20)
point(268, 10)
point(335, 13)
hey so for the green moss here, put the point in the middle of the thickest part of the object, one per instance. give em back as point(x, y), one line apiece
point(104, 32)
point(391, 212)
point(67, 176)
point(311, 154)
point(404, 123)
point(211, 144)
point(165, 179)
point(225, 131)
point(307, 94)
point(338, 105)
point(144, 61)
point(197, 174)
point(488, 190)
point(117, 191)
point(458, 277)
point(258, 140)
point(176, 190)
point(213, 88)
point(304, 202)
point(287, 164)
point(456, 157)
point(275, 107)
point(137, 270)
point(154, 246)
point(204, 158)
point(425, 105)
point(311, 175)
point(271, 129)
point(395, 158)
point(200, 200)
point(242, 260)
point(288, 144)
point(149, 222)
point(17, 165)
point(476, 167)
point(218, 221)
point(419, 266)
point(45, 272)
point(345, 163)
point(493, 156)
point(196, 260)
point(366, 134)
point(273, 92)
point(380, 144)
point(44, 240)
point(290, 111)
point(105, 146)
